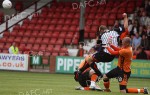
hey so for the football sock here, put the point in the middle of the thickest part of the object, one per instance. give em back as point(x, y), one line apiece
point(94, 77)
point(94, 67)
point(86, 88)
point(106, 83)
point(135, 90)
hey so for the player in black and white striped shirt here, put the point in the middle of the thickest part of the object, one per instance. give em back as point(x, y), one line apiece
point(102, 55)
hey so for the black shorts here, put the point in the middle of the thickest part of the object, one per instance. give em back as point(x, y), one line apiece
point(120, 75)
point(103, 57)
point(84, 79)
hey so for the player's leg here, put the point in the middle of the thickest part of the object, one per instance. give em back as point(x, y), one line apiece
point(91, 59)
point(83, 65)
point(123, 79)
point(106, 78)
point(94, 78)
point(136, 90)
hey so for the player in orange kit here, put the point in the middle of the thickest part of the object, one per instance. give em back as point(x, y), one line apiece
point(123, 70)
point(86, 78)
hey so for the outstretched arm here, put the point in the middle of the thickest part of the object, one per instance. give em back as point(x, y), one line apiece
point(112, 52)
point(125, 20)
point(114, 47)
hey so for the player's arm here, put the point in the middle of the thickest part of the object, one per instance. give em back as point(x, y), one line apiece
point(112, 52)
point(115, 48)
point(126, 32)
point(125, 20)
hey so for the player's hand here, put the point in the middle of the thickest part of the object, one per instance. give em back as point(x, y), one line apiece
point(124, 15)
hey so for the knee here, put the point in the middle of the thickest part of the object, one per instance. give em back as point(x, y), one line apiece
point(89, 59)
point(105, 78)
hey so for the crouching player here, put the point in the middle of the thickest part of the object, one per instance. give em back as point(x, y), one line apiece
point(122, 71)
point(86, 79)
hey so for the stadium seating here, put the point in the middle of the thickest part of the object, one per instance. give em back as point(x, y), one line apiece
point(57, 26)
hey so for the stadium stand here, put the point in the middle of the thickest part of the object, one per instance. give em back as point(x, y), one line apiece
point(58, 25)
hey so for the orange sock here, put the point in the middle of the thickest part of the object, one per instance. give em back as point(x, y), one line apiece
point(94, 77)
point(86, 88)
point(107, 84)
point(135, 90)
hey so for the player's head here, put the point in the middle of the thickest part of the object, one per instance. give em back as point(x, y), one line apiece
point(126, 42)
point(102, 28)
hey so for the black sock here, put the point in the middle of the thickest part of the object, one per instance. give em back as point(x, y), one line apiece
point(94, 67)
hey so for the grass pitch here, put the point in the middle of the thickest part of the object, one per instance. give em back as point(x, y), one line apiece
point(25, 83)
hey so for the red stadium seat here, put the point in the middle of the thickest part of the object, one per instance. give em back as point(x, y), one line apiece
point(86, 36)
point(87, 28)
point(21, 33)
point(7, 46)
point(61, 21)
point(14, 33)
point(43, 47)
point(68, 41)
point(54, 54)
point(1, 45)
point(73, 28)
point(60, 42)
point(65, 28)
point(130, 10)
point(24, 40)
point(49, 49)
point(62, 35)
point(10, 39)
point(55, 34)
point(6, 33)
point(77, 15)
point(27, 34)
point(112, 16)
point(94, 28)
point(104, 17)
point(38, 40)
point(96, 22)
point(103, 22)
point(51, 27)
point(45, 41)
point(75, 41)
point(107, 9)
point(29, 46)
point(100, 10)
point(122, 10)
point(47, 53)
point(92, 35)
point(58, 27)
point(17, 39)
point(48, 34)
point(53, 41)
point(41, 34)
point(44, 27)
point(26, 21)
point(89, 22)
point(115, 10)
point(75, 22)
point(37, 27)
point(69, 35)
point(119, 16)
point(16, 27)
point(35, 47)
point(111, 22)
point(31, 40)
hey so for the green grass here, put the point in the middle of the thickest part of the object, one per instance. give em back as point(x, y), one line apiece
point(25, 83)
